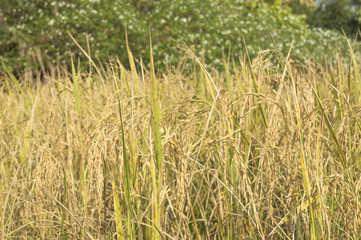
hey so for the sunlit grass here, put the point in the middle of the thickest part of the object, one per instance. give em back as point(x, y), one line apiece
point(260, 151)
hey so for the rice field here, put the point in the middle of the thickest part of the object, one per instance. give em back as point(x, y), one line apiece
point(260, 151)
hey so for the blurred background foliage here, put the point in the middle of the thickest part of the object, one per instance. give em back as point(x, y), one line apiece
point(34, 34)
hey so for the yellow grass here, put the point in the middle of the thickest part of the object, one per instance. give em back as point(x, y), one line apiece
point(260, 152)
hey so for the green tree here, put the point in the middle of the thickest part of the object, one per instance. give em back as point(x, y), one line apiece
point(335, 14)
point(356, 6)
point(330, 14)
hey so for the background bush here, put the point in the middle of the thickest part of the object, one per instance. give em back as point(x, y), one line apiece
point(34, 33)
point(339, 15)
point(41, 26)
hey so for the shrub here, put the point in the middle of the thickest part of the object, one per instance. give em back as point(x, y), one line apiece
point(42, 26)
point(36, 32)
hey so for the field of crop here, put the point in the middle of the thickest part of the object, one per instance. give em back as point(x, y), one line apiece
point(261, 151)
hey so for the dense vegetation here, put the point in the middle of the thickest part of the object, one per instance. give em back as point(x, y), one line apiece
point(246, 137)
point(268, 152)
point(35, 33)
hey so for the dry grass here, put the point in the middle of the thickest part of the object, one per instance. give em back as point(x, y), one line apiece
point(258, 153)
